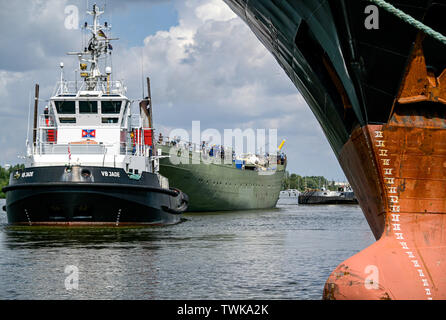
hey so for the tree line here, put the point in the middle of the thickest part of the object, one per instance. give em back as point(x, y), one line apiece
point(4, 176)
point(302, 183)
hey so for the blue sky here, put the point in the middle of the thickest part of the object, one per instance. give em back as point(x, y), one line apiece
point(204, 62)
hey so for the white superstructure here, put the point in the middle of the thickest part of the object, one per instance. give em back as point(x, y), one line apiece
point(89, 121)
point(288, 197)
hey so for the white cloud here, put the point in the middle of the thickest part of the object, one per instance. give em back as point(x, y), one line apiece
point(213, 10)
point(209, 67)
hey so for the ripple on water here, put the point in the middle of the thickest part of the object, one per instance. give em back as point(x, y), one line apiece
point(285, 253)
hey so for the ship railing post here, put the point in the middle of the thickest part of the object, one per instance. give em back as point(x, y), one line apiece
point(138, 141)
point(40, 140)
point(143, 144)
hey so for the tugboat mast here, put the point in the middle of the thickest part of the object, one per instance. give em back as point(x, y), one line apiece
point(98, 45)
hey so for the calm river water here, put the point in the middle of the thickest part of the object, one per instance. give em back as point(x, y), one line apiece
point(285, 253)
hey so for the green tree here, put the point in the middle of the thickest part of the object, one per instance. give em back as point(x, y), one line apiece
point(4, 176)
point(295, 181)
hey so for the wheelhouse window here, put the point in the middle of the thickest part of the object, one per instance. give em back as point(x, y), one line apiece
point(65, 107)
point(111, 107)
point(67, 120)
point(88, 107)
point(110, 120)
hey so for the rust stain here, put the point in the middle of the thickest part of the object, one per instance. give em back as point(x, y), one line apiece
point(420, 84)
point(385, 296)
point(418, 187)
point(398, 172)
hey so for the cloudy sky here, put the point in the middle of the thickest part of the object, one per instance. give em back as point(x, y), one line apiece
point(204, 63)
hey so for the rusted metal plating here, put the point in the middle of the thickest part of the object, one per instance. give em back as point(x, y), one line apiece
point(399, 172)
point(421, 84)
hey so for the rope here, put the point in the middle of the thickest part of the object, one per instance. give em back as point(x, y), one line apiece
point(410, 20)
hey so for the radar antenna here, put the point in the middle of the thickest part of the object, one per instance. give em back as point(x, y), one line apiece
point(98, 45)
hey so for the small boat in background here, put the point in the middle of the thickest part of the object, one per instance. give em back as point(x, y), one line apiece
point(344, 195)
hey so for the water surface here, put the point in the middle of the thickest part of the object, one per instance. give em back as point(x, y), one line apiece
point(284, 253)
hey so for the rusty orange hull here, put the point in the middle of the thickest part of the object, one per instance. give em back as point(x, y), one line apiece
point(398, 170)
point(399, 173)
point(380, 97)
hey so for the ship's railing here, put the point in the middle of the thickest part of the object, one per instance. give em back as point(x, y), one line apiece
point(133, 142)
point(138, 149)
point(47, 121)
point(46, 131)
point(193, 147)
point(218, 151)
point(73, 87)
point(56, 149)
point(137, 143)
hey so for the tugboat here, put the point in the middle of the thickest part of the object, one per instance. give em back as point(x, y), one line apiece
point(344, 195)
point(91, 160)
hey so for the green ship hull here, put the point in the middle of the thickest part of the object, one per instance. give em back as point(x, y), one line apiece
point(220, 187)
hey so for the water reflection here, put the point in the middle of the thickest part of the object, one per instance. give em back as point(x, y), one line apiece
point(47, 237)
point(284, 253)
point(112, 263)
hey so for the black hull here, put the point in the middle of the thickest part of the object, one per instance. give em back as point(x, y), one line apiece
point(349, 75)
point(326, 200)
point(100, 201)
